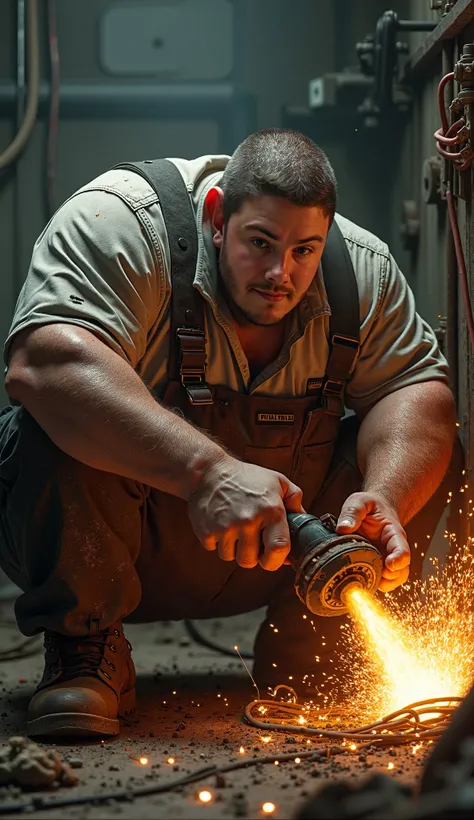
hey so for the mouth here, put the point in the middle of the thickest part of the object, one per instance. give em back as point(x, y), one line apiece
point(271, 296)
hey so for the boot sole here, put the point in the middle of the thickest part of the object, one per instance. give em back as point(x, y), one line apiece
point(80, 724)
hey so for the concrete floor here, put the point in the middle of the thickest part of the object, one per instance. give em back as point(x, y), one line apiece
point(190, 704)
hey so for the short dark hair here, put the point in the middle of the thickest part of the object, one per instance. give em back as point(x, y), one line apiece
point(279, 162)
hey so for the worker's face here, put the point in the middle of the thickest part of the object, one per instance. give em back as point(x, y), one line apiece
point(269, 253)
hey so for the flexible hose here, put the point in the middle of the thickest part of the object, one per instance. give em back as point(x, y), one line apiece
point(24, 132)
point(461, 264)
point(448, 136)
point(396, 728)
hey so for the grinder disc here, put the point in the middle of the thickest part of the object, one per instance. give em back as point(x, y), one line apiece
point(324, 577)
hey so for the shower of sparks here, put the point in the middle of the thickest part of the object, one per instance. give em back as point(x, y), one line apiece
point(400, 653)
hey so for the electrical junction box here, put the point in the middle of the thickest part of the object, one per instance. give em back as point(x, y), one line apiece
point(174, 40)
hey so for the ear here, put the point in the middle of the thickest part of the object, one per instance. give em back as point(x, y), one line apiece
point(214, 202)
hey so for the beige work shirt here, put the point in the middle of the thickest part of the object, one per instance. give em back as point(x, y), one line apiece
point(103, 262)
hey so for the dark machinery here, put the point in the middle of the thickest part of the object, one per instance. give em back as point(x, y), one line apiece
point(327, 563)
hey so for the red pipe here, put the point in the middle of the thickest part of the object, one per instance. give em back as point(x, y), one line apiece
point(461, 264)
point(448, 136)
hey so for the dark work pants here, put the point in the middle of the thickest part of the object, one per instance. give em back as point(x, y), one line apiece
point(77, 542)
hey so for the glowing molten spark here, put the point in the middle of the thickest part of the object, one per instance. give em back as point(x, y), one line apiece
point(413, 677)
point(268, 808)
point(143, 760)
point(417, 650)
point(205, 796)
point(170, 760)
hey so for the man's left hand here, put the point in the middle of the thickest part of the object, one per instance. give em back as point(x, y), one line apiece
point(371, 515)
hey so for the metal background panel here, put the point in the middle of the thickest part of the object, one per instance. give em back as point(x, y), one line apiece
point(173, 39)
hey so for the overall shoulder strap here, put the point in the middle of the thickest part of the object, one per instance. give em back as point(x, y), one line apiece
point(344, 327)
point(187, 359)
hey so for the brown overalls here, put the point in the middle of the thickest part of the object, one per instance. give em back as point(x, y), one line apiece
point(89, 547)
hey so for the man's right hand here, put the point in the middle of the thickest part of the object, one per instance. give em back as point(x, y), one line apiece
point(240, 508)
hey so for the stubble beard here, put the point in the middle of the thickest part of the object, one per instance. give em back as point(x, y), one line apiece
point(228, 280)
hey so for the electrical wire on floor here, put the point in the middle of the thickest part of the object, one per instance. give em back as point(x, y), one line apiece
point(402, 727)
point(40, 802)
point(203, 640)
point(420, 721)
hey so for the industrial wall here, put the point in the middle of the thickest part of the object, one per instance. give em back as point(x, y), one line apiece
point(241, 65)
point(433, 266)
point(262, 56)
point(255, 57)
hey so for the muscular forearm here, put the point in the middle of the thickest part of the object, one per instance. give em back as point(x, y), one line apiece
point(94, 407)
point(405, 444)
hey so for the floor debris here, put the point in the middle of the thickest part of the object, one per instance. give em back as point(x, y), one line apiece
point(26, 764)
point(189, 717)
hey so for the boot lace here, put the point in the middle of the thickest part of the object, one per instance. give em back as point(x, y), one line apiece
point(77, 656)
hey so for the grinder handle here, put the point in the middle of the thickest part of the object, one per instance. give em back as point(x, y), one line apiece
point(306, 531)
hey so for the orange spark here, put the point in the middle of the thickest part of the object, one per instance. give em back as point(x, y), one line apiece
point(398, 654)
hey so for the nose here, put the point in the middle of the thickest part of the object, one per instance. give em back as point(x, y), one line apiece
point(278, 271)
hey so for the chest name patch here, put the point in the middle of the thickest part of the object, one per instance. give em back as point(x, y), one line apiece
point(275, 418)
point(313, 385)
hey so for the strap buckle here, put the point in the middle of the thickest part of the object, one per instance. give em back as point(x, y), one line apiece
point(334, 386)
point(332, 396)
point(192, 364)
point(346, 341)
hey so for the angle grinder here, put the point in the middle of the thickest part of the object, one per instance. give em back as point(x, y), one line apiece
point(327, 563)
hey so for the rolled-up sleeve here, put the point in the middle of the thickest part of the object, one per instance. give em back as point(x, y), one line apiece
point(398, 347)
point(94, 266)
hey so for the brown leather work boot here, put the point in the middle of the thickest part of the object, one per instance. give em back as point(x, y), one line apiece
point(87, 683)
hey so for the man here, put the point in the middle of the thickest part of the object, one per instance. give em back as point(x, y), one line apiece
point(115, 506)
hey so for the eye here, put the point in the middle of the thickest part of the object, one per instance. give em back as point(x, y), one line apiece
point(303, 251)
point(258, 242)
